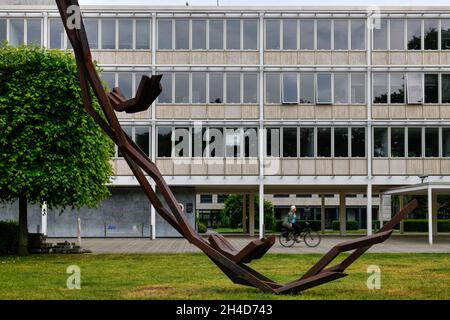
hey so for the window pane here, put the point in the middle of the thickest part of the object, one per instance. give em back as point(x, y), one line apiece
point(273, 34)
point(206, 198)
point(250, 88)
point(397, 88)
point(290, 87)
point(181, 34)
point(199, 87)
point(166, 84)
point(358, 142)
point(16, 33)
point(250, 142)
point(380, 87)
point(56, 34)
point(431, 142)
point(126, 84)
point(125, 34)
point(198, 141)
point(216, 142)
point(250, 34)
point(340, 142)
point(138, 78)
point(323, 34)
point(142, 34)
point(445, 88)
point(216, 34)
point(273, 87)
point(307, 88)
point(233, 34)
point(110, 79)
point(341, 34)
point(164, 142)
point(415, 88)
point(414, 142)
point(198, 34)
point(324, 142)
point(397, 34)
point(34, 32)
point(358, 34)
point(380, 36)
point(397, 142)
point(273, 142)
point(445, 34)
point(324, 88)
point(306, 142)
point(290, 142)
point(307, 34)
point(108, 34)
point(142, 135)
point(340, 88)
point(91, 26)
point(165, 34)
point(2, 30)
point(358, 88)
point(181, 142)
point(128, 131)
point(446, 142)
point(431, 34)
point(380, 142)
point(216, 87)
point(181, 87)
point(414, 34)
point(233, 142)
point(431, 88)
point(290, 34)
point(233, 87)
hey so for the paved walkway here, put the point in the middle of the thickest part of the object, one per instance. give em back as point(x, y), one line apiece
point(396, 244)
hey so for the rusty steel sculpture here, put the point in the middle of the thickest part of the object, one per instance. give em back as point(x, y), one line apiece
point(232, 261)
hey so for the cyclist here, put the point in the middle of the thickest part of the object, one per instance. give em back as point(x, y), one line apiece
point(290, 222)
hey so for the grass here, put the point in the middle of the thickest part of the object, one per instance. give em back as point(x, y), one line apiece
point(193, 276)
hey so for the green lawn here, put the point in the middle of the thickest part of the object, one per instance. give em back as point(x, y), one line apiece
point(193, 276)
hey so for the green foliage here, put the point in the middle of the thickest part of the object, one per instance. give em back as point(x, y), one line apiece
point(9, 237)
point(50, 148)
point(231, 215)
point(421, 225)
point(313, 224)
point(201, 227)
point(351, 225)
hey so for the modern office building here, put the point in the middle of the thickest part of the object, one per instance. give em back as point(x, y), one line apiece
point(267, 100)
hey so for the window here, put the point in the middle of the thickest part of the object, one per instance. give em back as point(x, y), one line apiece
point(323, 34)
point(142, 137)
point(181, 142)
point(445, 34)
point(306, 142)
point(431, 34)
point(380, 36)
point(273, 87)
point(307, 88)
point(380, 88)
point(126, 84)
point(199, 87)
point(233, 87)
point(415, 142)
point(2, 30)
point(216, 34)
point(233, 142)
point(446, 142)
point(341, 34)
point(341, 142)
point(221, 198)
point(142, 34)
point(380, 142)
point(273, 34)
point(273, 142)
point(125, 34)
point(164, 142)
point(290, 87)
point(216, 87)
point(166, 84)
point(431, 142)
point(307, 34)
point(16, 32)
point(324, 142)
point(34, 27)
point(250, 142)
point(397, 142)
point(165, 34)
point(358, 34)
point(281, 195)
point(414, 38)
point(108, 34)
point(198, 34)
point(250, 34)
point(216, 143)
point(206, 198)
point(431, 88)
point(56, 34)
point(137, 79)
point(91, 26)
point(181, 87)
point(289, 34)
point(415, 88)
point(129, 132)
point(397, 88)
point(110, 79)
point(324, 88)
point(341, 88)
point(397, 41)
point(358, 142)
point(233, 34)
point(290, 142)
point(358, 89)
point(181, 34)
point(445, 88)
point(250, 88)
point(198, 141)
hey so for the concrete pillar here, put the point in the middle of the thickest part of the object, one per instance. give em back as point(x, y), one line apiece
point(44, 216)
point(261, 211)
point(251, 220)
point(430, 215)
point(400, 201)
point(369, 209)
point(342, 214)
point(244, 213)
point(381, 209)
point(435, 204)
point(322, 213)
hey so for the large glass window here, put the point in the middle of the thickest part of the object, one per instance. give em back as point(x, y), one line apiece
point(216, 143)
point(216, 34)
point(273, 34)
point(290, 142)
point(341, 34)
point(414, 38)
point(250, 142)
point(129, 132)
point(164, 142)
point(165, 34)
point(446, 142)
point(289, 34)
point(358, 34)
point(431, 27)
point(233, 142)
point(91, 26)
point(445, 34)
point(290, 87)
point(415, 88)
point(324, 88)
point(272, 87)
point(126, 84)
point(358, 88)
point(415, 142)
point(142, 34)
point(341, 142)
point(233, 87)
point(445, 91)
point(166, 84)
point(142, 138)
point(307, 34)
point(341, 88)
point(125, 34)
point(306, 88)
point(397, 88)
point(273, 142)
point(181, 87)
point(358, 142)
point(216, 87)
point(397, 142)
point(323, 34)
point(108, 34)
point(233, 34)
point(199, 141)
point(34, 31)
point(2, 30)
point(431, 88)
point(324, 142)
point(250, 88)
point(380, 35)
point(182, 34)
point(199, 87)
point(198, 34)
point(306, 142)
point(380, 142)
point(110, 79)
point(250, 34)
point(16, 32)
point(397, 33)
point(380, 87)
point(431, 142)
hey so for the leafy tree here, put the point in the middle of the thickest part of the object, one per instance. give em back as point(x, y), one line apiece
point(50, 148)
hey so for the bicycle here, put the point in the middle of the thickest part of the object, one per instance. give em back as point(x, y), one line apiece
point(310, 237)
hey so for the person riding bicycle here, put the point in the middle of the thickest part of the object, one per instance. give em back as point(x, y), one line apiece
point(290, 222)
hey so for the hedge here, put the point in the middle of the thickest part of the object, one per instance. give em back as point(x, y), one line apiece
point(9, 237)
point(421, 225)
point(351, 225)
point(314, 224)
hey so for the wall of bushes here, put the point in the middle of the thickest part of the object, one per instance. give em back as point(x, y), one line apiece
point(9, 237)
point(313, 224)
point(421, 225)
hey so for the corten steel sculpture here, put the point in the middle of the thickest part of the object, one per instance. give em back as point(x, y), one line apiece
point(232, 261)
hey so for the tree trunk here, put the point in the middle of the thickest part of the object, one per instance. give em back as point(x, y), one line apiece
point(23, 226)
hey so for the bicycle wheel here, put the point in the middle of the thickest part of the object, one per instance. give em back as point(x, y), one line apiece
point(312, 238)
point(286, 239)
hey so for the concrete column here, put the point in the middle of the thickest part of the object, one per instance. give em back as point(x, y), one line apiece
point(342, 214)
point(322, 213)
point(435, 204)
point(369, 209)
point(401, 203)
point(244, 213)
point(381, 209)
point(44, 216)
point(430, 215)
point(251, 220)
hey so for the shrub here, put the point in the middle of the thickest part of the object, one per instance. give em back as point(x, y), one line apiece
point(9, 237)
point(201, 227)
point(351, 225)
point(421, 225)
